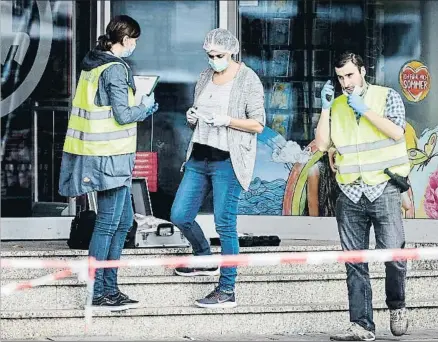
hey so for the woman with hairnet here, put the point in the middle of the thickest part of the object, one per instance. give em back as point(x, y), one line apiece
point(227, 114)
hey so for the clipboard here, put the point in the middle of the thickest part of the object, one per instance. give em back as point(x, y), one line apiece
point(145, 85)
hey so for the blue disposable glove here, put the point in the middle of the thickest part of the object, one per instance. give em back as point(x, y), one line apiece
point(357, 104)
point(148, 101)
point(327, 95)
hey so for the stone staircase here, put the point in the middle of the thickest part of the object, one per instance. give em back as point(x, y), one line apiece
point(280, 299)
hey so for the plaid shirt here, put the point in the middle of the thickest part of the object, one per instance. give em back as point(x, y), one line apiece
point(394, 111)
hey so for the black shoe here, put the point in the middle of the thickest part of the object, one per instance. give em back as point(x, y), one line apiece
point(218, 300)
point(124, 300)
point(105, 303)
point(192, 272)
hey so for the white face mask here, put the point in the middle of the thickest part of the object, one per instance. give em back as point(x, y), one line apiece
point(219, 64)
point(356, 91)
point(128, 52)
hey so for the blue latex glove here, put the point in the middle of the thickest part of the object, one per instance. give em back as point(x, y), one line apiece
point(148, 101)
point(192, 116)
point(357, 104)
point(153, 109)
point(327, 91)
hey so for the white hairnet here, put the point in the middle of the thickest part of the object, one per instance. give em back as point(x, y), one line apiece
point(221, 40)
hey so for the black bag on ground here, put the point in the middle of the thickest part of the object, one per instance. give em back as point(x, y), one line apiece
point(82, 227)
point(81, 230)
point(252, 241)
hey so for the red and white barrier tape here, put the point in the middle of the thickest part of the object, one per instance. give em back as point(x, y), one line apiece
point(251, 259)
point(86, 267)
point(83, 273)
point(14, 287)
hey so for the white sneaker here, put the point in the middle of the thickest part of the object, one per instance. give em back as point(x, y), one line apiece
point(398, 321)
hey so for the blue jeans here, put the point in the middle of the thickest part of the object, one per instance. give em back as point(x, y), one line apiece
point(354, 223)
point(200, 177)
point(115, 217)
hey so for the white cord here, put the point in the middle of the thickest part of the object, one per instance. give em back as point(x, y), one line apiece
point(152, 130)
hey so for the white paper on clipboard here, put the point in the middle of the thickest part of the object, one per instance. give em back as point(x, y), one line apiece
point(248, 3)
point(144, 85)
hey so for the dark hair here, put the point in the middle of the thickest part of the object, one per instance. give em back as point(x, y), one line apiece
point(119, 27)
point(348, 56)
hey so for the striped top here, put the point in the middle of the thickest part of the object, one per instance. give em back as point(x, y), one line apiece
point(214, 99)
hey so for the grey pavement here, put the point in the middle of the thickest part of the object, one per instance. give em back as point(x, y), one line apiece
point(426, 335)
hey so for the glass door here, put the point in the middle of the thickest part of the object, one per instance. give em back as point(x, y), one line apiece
point(170, 46)
point(38, 78)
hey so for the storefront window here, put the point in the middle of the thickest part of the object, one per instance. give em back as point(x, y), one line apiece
point(291, 44)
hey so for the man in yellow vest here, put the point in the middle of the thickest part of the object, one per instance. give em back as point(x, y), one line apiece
point(366, 126)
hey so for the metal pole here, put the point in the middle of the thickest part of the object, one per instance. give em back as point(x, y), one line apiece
point(35, 153)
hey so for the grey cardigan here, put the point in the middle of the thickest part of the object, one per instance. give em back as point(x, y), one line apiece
point(246, 102)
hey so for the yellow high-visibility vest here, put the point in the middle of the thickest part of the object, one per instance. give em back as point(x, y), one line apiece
point(363, 150)
point(92, 130)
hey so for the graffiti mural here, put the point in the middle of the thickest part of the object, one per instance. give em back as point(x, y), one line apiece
point(291, 181)
point(423, 176)
point(265, 194)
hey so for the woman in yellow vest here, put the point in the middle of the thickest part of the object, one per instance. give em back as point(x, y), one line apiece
point(100, 147)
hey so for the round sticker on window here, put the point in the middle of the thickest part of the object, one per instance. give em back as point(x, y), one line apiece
point(415, 81)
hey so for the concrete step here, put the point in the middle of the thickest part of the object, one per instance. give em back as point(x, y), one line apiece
point(67, 254)
point(180, 321)
point(272, 289)
point(59, 249)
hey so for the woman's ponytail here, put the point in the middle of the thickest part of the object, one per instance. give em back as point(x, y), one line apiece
point(104, 42)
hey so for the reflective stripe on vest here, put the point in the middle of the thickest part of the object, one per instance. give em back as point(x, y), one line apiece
point(375, 145)
point(345, 169)
point(97, 126)
point(82, 113)
point(131, 132)
point(99, 148)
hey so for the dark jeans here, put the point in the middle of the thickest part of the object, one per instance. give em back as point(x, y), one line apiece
point(200, 177)
point(354, 222)
point(114, 219)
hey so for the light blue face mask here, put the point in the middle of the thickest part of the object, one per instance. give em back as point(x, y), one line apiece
point(128, 52)
point(219, 65)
